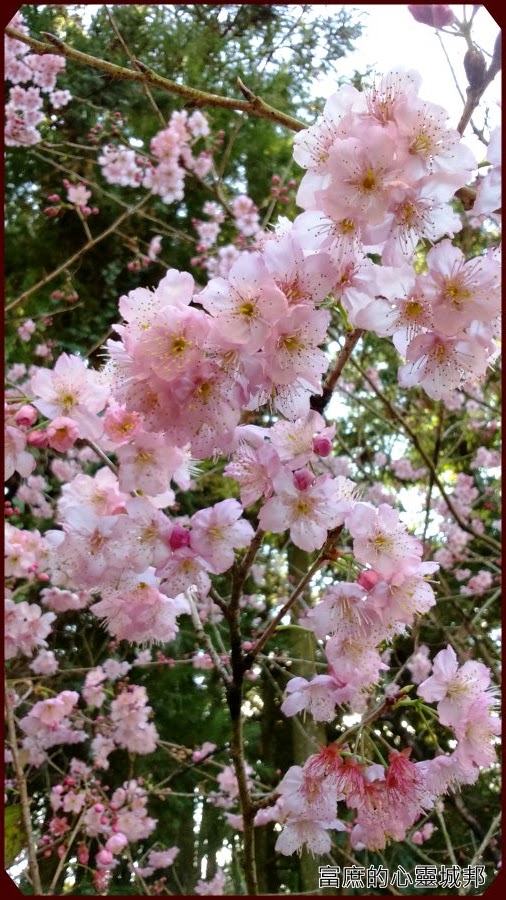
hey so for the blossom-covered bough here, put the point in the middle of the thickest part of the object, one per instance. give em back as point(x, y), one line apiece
point(237, 373)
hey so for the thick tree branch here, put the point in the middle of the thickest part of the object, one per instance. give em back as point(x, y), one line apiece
point(254, 106)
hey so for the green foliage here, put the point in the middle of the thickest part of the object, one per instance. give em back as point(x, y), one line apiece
point(14, 833)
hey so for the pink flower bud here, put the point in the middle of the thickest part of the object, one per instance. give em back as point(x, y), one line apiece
point(303, 479)
point(98, 807)
point(54, 198)
point(83, 854)
point(437, 15)
point(104, 858)
point(26, 415)
point(38, 439)
point(62, 433)
point(322, 445)
point(368, 579)
point(180, 537)
point(116, 843)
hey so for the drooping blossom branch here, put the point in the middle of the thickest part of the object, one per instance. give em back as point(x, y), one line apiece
point(255, 106)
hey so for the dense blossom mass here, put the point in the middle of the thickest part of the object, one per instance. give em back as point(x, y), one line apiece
point(190, 374)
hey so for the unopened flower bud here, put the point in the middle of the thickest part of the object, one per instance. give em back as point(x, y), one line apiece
point(38, 439)
point(437, 15)
point(303, 479)
point(322, 445)
point(475, 67)
point(116, 843)
point(26, 415)
point(180, 537)
point(368, 579)
point(104, 858)
point(83, 854)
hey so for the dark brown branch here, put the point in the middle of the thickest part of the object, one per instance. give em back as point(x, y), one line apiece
point(319, 402)
point(327, 552)
point(475, 93)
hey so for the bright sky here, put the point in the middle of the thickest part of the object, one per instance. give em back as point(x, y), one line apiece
point(392, 38)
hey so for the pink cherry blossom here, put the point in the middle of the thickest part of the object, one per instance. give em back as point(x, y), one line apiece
point(382, 542)
point(217, 531)
point(71, 389)
point(62, 433)
point(309, 513)
point(454, 687)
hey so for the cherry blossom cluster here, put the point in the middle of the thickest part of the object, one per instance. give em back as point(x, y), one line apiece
point(78, 197)
point(115, 819)
point(50, 723)
point(382, 166)
point(466, 704)
point(389, 800)
point(26, 627)
point(24, 108)
point(171, 158)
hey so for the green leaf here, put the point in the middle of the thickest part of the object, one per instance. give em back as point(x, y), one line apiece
point(14, 835)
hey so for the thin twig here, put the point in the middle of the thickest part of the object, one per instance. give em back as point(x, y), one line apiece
point(72, 259)
point(23, 795)
point(449, 845)
point(206, 640)
point(68, 845)
point(489, 835)
point(474, 94)
point(321, 559)
point(130, 55)
point(163, 226)
point(491, 542)
point(100, 453)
